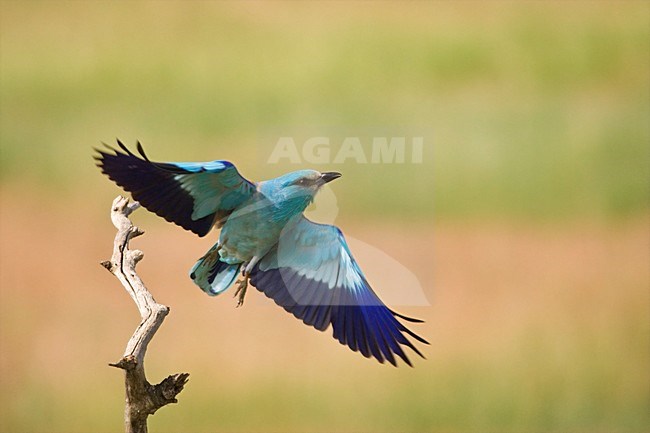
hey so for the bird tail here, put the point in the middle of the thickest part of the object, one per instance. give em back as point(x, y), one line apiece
point(213, 275)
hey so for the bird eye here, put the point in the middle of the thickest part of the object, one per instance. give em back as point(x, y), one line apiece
point(302, 182)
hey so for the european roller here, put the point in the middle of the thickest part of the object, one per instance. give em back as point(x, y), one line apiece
point(305, 267)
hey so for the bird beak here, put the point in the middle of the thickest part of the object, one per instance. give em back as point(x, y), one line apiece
point(329, 176)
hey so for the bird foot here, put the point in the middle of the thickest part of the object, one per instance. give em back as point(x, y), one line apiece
point(241, 290)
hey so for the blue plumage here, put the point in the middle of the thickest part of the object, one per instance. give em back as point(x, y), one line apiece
point(213, 275)
point(305, 267)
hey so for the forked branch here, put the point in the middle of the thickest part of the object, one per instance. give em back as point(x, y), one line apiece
point(142, 398)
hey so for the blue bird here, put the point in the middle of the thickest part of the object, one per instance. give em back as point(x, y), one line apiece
point(305, 267)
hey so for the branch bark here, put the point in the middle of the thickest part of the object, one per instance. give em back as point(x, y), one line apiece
point(142, 398)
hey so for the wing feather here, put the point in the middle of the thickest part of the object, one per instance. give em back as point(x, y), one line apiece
point(311, 274)
point(194, 195)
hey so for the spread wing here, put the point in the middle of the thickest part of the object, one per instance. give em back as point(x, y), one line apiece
point(312, 274)
point(194, 195)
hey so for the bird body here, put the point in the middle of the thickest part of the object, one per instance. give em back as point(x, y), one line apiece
point(305, 267)
point(254, 227)
point(250, 231)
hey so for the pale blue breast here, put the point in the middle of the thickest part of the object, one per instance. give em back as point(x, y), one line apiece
point(249, 231)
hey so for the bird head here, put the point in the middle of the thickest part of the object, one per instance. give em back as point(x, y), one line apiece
point(297, 189)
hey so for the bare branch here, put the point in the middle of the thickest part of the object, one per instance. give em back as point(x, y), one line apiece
point(142, 398)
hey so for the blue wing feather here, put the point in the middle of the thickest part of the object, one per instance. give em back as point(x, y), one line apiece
point(312, 274)
point(194, 195)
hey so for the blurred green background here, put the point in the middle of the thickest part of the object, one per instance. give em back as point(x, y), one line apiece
point(527, 222)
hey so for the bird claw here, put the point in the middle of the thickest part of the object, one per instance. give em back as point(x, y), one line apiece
point(241, 290)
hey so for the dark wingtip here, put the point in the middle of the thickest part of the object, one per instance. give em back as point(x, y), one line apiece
point(98, 155)
point(141, 151)
point(406, 359)
point(414, 335)
point(408, 319)
point(109, 147)
point(124, 148)
point(416, 350)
